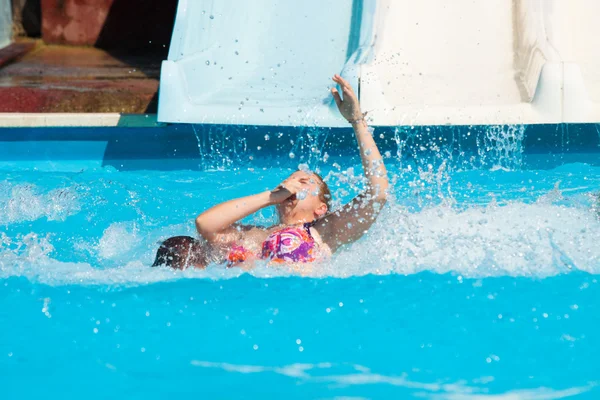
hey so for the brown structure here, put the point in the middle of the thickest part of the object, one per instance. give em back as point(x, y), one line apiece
point(78, 79)
point(27, 18)
point(73, 22)
point(137, 25)
point(96, 55)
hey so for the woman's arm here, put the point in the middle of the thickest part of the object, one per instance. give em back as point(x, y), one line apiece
point(216, 220)
point(355, 218)
point(220, 219)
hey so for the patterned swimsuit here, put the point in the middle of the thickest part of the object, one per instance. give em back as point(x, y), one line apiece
point(287, 245)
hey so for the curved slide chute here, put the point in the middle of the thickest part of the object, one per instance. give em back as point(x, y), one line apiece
point(260, 62)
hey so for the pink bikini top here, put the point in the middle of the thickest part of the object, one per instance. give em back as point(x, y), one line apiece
point(286, 245)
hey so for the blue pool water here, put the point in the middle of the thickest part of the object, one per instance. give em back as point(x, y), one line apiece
point(479, 280)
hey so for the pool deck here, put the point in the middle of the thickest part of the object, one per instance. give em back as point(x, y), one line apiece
point(39, 78)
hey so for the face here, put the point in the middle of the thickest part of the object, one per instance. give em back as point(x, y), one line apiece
point(305, 206)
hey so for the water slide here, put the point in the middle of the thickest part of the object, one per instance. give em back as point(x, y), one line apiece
point(427, 62)
point(5, 23)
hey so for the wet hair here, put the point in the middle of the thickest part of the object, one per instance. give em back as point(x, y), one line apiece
point(324, 192)
point(180, 252)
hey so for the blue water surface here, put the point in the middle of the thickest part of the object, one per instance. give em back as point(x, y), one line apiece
point(478, 281)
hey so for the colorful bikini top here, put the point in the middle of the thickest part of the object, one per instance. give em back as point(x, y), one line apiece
point(288, 245)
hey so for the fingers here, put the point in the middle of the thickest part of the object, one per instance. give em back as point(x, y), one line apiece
point(336, 97)
point(294, 185)
point(344, 84)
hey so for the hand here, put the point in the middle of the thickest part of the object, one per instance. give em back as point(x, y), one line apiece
point(348, 106)
point(288, 188)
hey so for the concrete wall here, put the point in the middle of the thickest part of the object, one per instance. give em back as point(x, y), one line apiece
point(426, 62)
point(5, 23)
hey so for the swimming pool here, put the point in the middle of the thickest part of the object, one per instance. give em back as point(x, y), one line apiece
point(478, 280)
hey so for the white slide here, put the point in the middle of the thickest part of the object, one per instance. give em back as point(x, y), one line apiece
point(5, 23)
point(426, 62)
point(466, 62)
point(259, 62)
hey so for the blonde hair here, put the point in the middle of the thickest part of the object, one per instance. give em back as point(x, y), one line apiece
point(324, 192)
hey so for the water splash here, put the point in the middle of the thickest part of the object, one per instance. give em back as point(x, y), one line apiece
point(539, 240)
point(309, 145)
point(502, 147)
point(27, 202)
point(118, 240)
point(496, 147)
point(515, 240)
point(221, 149)
point(440, 219)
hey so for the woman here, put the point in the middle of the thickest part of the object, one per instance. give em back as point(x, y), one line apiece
point(307, 230)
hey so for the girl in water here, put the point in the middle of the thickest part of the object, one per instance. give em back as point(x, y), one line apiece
point(307, 231)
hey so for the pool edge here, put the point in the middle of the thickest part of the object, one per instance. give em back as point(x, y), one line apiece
point(58, 120)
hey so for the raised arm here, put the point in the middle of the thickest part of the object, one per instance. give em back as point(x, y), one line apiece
point(352, 221)
point(219, 220)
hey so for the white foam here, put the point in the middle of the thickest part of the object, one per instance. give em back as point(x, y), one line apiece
point(551, 236)
point(118, 240)
point(518, 239)
point(360, 375)
point(19, 203)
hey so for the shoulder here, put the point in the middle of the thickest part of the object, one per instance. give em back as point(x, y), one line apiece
point(324, 247)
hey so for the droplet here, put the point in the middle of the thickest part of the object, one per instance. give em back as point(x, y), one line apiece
point(207, 62)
